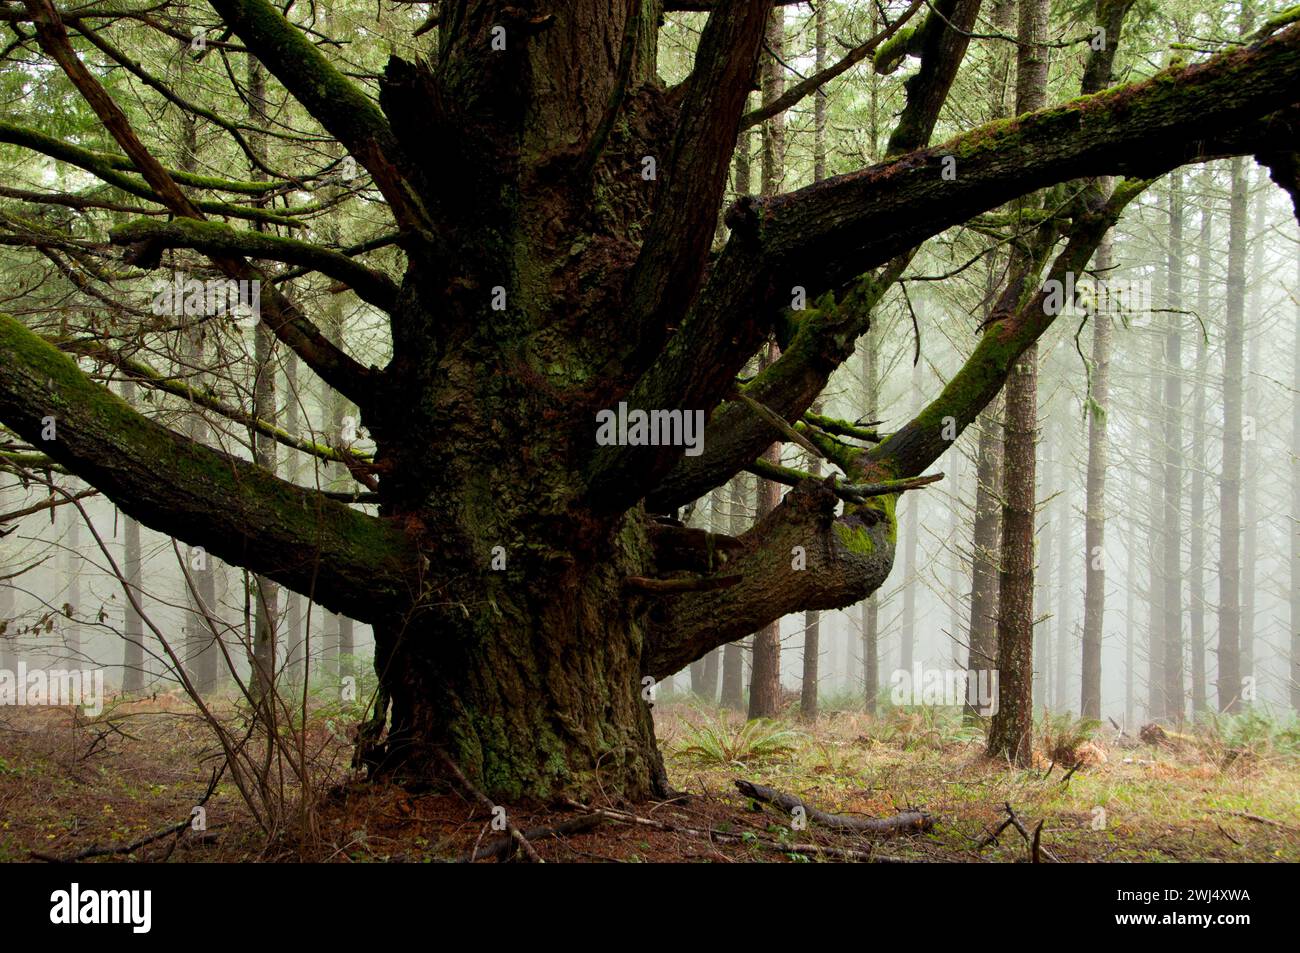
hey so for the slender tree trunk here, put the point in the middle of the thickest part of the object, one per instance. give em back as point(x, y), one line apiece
point(1172, 573)
point(733, 654)
point(1229, 685)
point(1044, 554)
point(765, 675)
point(202, 654)
point(704, 672)
point(71, 627)
point(266, 592)
point(1156, 545)
point(811, 637)
point(133, 625)
point(1250, 446)
point(812, 618)
point(911, 530)
point(1010, 733)
point(870, 607)
point(1094, 594)
point(985, 547)
point(1065, 573)
point(1196, 563)
point(1130, 629)
point(1295, 493)
point(295, 634)
point(8, 631)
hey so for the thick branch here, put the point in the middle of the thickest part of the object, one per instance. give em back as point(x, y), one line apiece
point(835, 229)
point(825, 235)
point(345, 560)
point(843, 560)
point(945, 34)
point(694, 177)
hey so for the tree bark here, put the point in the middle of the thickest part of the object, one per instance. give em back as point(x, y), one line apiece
point(1196, 563)
point(1094, 597)
point(1065, 649)
point(1229, 682)
point(733, 653)
point(1295, 493)
point(1010, 731)
point(133, 625)
point(765, 673)
point(1172, 547)
point(1252, 321)
point(1156, 543)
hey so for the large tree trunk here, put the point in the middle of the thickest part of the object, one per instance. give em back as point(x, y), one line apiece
point(530, 691)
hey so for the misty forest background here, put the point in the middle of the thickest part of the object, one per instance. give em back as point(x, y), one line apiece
point(1203, 387)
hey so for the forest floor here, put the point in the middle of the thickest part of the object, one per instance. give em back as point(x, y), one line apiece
point(73, 786)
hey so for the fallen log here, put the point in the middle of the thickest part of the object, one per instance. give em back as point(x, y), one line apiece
point(899, 823)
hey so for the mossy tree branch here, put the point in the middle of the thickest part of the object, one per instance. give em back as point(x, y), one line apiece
point(824, 236)
point(1023, 318)
point(798, 557)
point(336, 103)
point(345, 560)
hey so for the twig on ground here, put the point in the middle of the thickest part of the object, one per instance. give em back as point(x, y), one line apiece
point(515, 833)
